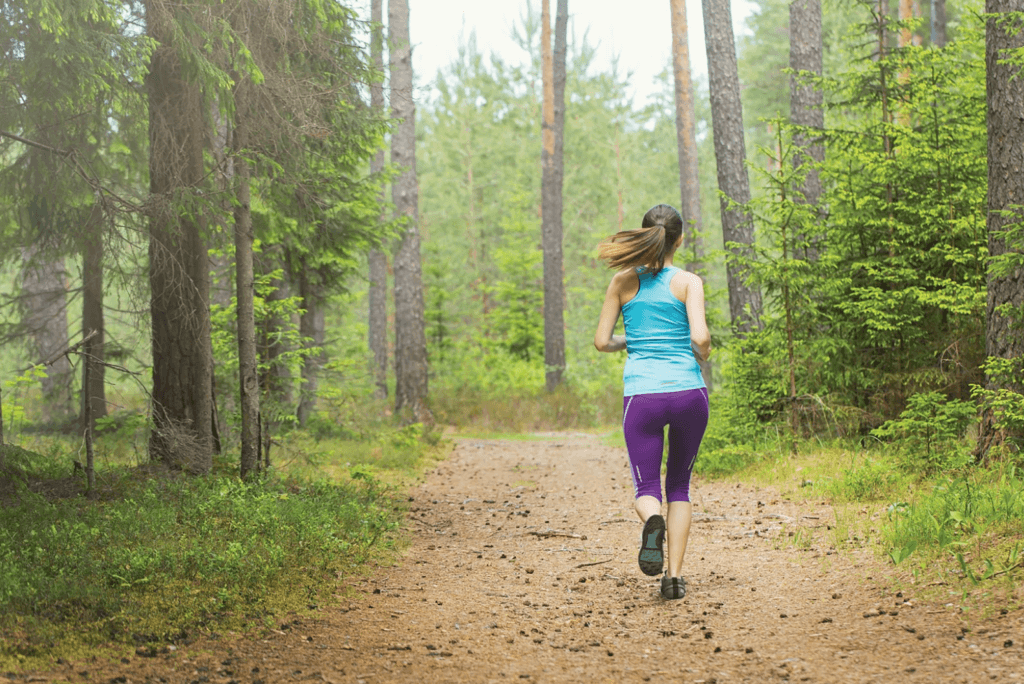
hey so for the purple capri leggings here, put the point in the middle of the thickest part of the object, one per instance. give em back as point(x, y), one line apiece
point(644, 417)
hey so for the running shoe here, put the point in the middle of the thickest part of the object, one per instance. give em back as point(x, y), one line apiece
point(652, 556)
point(673, 587)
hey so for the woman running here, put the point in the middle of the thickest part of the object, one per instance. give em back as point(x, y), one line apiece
point(663, 311)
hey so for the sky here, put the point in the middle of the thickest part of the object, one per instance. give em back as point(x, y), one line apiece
point(641, 37)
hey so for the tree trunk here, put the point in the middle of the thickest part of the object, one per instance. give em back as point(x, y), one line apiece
point(378, 322)
point(3, 449)
point(410, 332)
point(686, 142)
point(906, 13)
point(686, 139)
point(938, 23)
point(45, 318)
point(179, 277)
point(730, 154)
point(311, 327)
point(1005, 94)
point(245, 282)
point(805, 100)
point(552, 127)
point(94, 390)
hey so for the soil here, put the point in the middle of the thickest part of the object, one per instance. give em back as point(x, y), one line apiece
point(522, 568)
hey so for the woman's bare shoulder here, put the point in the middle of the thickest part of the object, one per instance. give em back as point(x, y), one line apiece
point(683, 281)
point(625, 279)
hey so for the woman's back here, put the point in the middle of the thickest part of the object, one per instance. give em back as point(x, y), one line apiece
point(660, 358)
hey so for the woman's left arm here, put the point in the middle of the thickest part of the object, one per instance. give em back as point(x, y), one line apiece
point(604, 340)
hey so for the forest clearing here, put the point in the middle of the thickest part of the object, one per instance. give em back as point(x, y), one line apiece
point(299, 346)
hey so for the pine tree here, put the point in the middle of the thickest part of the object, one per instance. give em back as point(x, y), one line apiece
point(1004, 329)
point(410, 327)
point(733, 183)
point(378, 260)
point(551, 191)
point(179, 278)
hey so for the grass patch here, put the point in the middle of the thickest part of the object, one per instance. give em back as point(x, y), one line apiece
point(159, 557)
point(966, 527)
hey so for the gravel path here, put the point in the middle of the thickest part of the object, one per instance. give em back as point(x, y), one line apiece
point(522, 568)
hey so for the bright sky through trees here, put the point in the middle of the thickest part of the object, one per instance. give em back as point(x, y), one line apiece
point(637, 32)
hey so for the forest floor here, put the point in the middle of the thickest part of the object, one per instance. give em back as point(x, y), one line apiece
point(522, 567)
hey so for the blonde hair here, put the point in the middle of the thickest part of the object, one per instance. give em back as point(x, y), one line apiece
point(647, 246)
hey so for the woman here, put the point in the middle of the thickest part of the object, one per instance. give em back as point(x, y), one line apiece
point(666, 334)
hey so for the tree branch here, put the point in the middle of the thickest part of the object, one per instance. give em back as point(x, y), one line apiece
point(71, 157)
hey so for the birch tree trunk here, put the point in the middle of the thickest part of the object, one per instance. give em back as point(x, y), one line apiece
point(1005, 93)
point(179, 277)
point(378, 319)
point(410, 329)
point(805, 100)
point(552, 127)
point(730, 155)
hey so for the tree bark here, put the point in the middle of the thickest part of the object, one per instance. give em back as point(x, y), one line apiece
point(686, 139)
point(378, 319)
point(730, 154)
point(805, 100)
point(94, 389)
point(245, 283)
point(906, 13)
point(686, 142)
point(3, 449)
point(410, 328)
point(312, 328)
point(1005, 94)
point(552, 128)
point(938, 23)
point(179, 275)
point(45, 318)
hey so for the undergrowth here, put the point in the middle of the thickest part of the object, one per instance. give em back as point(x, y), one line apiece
point(946, 525)
point(158, 557)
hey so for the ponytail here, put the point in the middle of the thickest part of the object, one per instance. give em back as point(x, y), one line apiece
point(647, 246)
point(644, 247)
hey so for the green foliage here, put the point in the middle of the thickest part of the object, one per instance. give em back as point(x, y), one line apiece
point(890, 302)
point(929, 432)
point(161, 557)
point(280, 349)
point(515, 321)
point(15, 390)
point(958, 519)
point(1005, 403)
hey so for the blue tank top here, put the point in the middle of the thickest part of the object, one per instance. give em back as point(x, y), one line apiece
point(659, 357)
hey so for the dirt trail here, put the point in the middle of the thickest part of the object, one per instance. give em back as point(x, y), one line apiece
point(523, 568)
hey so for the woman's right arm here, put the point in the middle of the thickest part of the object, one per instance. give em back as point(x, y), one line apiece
point(604, 340)
point(700, 336)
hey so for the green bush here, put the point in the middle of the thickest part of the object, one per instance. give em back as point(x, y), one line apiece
point(928, 434)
